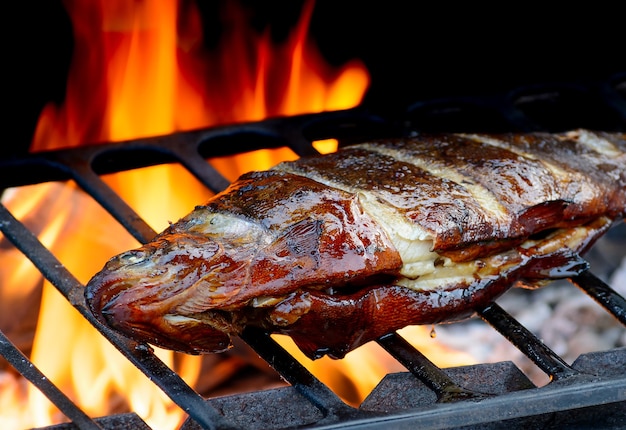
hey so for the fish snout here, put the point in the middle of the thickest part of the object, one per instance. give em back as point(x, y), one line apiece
point(145, 293)
point(176, 332)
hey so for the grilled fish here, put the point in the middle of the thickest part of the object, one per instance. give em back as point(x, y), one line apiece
point(338, 250)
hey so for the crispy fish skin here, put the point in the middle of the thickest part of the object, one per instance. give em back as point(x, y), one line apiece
point(276, 231)
point(338, 250)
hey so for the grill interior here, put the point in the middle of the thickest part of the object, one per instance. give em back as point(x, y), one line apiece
point(591, 390)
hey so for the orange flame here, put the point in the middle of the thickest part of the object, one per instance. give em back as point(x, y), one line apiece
point(140, 69)
point(136, 73)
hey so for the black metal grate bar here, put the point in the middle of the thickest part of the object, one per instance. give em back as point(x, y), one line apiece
point(295, 373)
point(425, 370)
point(203, 171)
point(27, 369)
point(602, 293)
point(500, 412)
point(546, 359)
point(140, 355)
point(118, 208)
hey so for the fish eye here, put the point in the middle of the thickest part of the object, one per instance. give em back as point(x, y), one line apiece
point(133, 257)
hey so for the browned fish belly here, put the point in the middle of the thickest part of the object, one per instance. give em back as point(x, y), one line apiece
point(338, 250)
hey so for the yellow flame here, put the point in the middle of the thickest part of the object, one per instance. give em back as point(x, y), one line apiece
point(135, 73)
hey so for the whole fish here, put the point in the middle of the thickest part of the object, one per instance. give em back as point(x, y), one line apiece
point(340, 249)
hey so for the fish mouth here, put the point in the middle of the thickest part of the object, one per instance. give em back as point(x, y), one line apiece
point(175, 332)
point(100, 295)
point(108, 285)
point(113, 305)
point(137, 293)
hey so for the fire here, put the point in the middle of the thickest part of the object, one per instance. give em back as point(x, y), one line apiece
point(358, 373)
point(141, 69)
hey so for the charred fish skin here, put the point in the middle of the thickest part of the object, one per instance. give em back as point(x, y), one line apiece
point(372, 238)
point(267, 236)
point(374, 311)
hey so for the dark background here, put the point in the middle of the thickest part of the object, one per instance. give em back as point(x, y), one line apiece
point(412, 52)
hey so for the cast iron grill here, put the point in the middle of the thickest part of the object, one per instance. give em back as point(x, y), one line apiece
point(592, 389)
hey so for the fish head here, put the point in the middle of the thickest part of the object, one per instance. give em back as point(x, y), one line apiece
point(171, 291)
point(211, 274)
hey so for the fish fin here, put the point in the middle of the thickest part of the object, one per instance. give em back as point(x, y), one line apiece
point(207, 293)
point(544, 215)
point(300, 243)
point(563, 263)
point(199, 302)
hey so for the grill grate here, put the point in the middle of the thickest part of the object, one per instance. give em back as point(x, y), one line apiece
point(448, 403)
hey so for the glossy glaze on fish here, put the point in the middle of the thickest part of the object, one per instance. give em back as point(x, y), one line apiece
point(338, 250)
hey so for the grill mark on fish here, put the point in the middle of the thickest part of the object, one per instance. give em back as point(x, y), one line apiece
point(432, 206)
point(492, 210)
point(560, 175)
point(501, 174)
point(586, 166)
